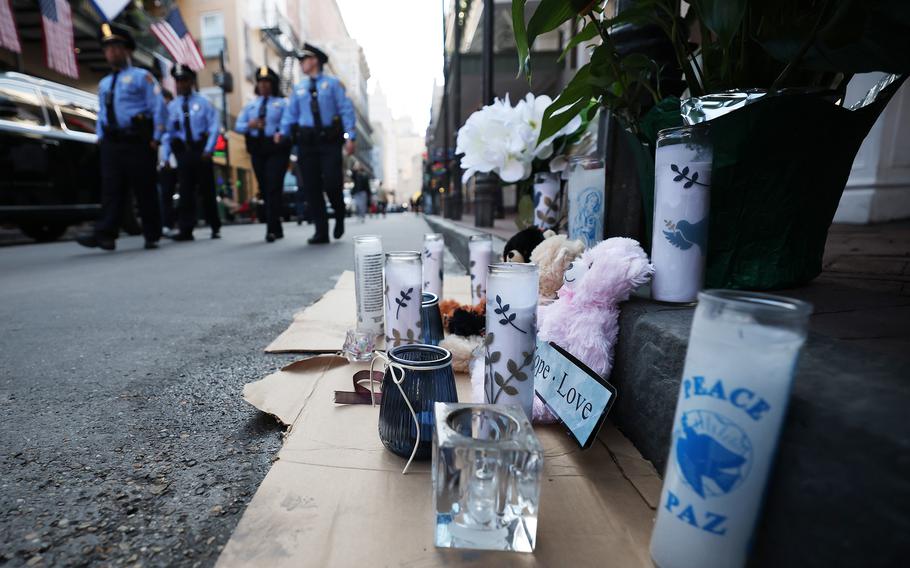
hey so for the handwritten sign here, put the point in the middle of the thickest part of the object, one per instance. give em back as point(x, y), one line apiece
point(576, 394)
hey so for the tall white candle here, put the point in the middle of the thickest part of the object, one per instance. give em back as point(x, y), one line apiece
point(587, 202)
point(511, 334)
point(682, 184)
point(403, 281)
point(368, 261)
point(433, 251)
point(480, 254)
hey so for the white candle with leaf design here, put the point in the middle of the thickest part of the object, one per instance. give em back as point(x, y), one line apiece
point(480, 253)
point(682, 196)
point(511, 334)
point(546, 200)
point(403, 279)
point(433, 250)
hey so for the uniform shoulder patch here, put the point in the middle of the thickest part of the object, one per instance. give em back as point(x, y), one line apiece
point(149, 79)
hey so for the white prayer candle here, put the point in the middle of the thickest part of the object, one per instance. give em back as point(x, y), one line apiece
point(368, 261)
point(546, 200)
point(480, 254)
point(511, 334)
point(587, 202)
point(433, 251)
point(682, 195)
point(403, 280)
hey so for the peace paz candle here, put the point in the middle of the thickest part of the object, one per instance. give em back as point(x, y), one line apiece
point(368, 262)
point(433, 250)
point(511, 334)
point(546, 200)
point(732, 401)
point(480, 253)
point(586, 200)
point(682, 183)
point(403, 280)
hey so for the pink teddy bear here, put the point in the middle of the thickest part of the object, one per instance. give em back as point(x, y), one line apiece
point(584, 320)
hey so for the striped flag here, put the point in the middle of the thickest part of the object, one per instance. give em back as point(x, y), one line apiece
point(173, 35)
point(9, 37)
point(57, 22)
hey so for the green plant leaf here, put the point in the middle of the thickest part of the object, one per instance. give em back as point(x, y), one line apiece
point(723, 17)
point(521, 38)
point(549, 15)
point(553, 123)
point(587, 33)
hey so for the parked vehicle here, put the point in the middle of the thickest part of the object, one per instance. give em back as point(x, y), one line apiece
point(48, 156)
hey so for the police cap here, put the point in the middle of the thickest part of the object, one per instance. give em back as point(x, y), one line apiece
point(181, 71)
point(112, 33)
point(310, 50)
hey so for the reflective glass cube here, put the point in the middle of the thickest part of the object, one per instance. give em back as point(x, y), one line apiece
point(487, 465)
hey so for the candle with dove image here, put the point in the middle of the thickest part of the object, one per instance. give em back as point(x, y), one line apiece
point(682, 184)
point(433, 251)
point(732, 401)
point(403, 294)
point(480, 254)
point(511, 334)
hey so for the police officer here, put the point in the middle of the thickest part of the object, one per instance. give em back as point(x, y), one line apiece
point(259, 122)
point(322, 118)
point(191, 132)
point(130, 126)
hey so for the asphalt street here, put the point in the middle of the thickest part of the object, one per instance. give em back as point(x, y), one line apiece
point(125, 439)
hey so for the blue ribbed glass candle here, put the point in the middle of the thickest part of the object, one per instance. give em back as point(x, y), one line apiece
point(428, 379)
point(430, 319)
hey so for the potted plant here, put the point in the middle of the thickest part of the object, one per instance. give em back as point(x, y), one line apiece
point(783, 155)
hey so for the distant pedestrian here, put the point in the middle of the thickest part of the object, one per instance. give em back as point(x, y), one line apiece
point(260, 122)
point(130, 126)
point(382, 199)
point(191, 133)
point(361, 191)
point(320, 118)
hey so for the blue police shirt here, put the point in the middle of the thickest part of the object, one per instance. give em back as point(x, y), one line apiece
point(136, 92)
point(274, 111)
point(332, 101)
point(203, 122)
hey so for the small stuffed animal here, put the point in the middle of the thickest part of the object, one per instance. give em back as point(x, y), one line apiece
point(552, 257)
point(463, 319)
point(519, 247)
point(584, 320)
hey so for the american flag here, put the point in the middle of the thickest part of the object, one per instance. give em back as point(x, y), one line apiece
point(9, 37)
point(173, 35)
point(57, 21)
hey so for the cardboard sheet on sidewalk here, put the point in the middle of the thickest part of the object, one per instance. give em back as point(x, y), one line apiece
point(336, 496)
point(321, 327)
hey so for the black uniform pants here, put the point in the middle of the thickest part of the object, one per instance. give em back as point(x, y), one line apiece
point(196, 177)
point(128, 165)
point(270, 168)
point(320, 172)
point(167, 184)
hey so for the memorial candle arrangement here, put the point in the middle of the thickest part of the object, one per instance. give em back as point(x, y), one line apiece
point(732, 401)
point(433, 250)
point(403, 280)
point(682, 183)
point(546, 200)
point(587, 202)
point(368, 262)
point(511, 334)
point(480, 253)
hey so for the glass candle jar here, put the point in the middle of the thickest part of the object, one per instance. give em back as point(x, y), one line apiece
point(732, 400)
point(511, 334)
point(587, 202)
point(431, 320)
point(416, 377)
point(487, 465)
point(480, 254)
point(368, 263)
point(403, 279)
point(546, 200)
point(433, 251)
point(682, 196)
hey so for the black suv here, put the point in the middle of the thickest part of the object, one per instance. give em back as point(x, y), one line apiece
point(48, 156)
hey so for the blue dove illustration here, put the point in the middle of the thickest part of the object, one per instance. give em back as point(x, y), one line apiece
point(688, 234)
point(701, 456)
